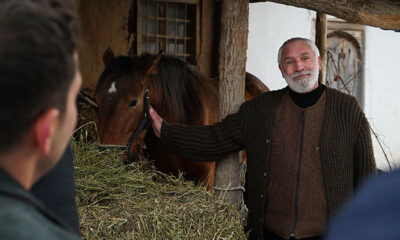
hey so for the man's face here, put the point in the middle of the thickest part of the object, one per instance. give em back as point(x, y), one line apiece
point(67, 121)
point(300, 67)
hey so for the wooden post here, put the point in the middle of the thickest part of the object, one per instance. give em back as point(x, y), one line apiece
point(232, 71)
point(322, 42)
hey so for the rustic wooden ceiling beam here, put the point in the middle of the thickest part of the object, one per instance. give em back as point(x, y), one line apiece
point(384, 13)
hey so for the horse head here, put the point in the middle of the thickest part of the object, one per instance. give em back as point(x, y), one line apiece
point(120, 96)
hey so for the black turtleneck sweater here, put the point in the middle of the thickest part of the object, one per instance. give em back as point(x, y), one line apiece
point(305, 100)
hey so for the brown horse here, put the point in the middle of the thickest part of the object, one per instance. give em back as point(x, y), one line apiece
point(177, 91)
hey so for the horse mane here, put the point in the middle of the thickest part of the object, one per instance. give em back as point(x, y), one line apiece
point(182, 90)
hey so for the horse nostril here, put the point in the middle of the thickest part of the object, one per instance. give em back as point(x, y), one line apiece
point(133, 103)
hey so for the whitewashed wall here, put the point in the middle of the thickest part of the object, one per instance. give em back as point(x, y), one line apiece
point(382, 89)
point(270, 24)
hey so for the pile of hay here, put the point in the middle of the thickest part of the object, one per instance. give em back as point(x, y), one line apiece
point(117, 201)
point(87, 117)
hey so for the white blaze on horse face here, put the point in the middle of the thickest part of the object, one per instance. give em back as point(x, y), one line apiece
point(112, 88)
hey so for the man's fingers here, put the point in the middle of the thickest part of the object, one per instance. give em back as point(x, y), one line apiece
point(156, 121)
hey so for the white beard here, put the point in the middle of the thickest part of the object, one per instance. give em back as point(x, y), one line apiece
point(302, 85)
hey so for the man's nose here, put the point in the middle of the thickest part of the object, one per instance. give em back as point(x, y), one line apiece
point(299, 66)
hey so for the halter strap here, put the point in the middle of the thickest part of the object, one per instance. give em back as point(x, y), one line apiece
point(142, 126)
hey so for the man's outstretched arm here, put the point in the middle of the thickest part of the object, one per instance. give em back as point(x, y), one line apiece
point(202, 143)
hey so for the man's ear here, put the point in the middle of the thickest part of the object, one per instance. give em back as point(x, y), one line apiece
point(319, 63)
point(280, 68)
point(44, 129)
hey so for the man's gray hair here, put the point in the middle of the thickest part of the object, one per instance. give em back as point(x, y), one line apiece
point(308, 41)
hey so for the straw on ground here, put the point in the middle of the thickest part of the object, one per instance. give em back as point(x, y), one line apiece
point(117, 201)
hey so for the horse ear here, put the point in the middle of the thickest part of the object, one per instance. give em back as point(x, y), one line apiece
point(153, 62)
point(108, 56)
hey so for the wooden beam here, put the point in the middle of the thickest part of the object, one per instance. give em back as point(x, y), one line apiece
point(384, 13)
point(139, 27)
point(321, 41)
point(232, 71)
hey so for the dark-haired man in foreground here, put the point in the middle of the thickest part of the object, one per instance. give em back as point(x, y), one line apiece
point(308, 147)
point(39, 81)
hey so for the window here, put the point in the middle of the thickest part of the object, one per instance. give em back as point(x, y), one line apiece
point(168, 26)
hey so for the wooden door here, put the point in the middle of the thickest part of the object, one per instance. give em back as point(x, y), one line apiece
point(344, 64)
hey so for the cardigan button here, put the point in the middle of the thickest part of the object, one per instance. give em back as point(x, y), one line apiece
point(265, 174)
point(261, 195)
point(268, 140)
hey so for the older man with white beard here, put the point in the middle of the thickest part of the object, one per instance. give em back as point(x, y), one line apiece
point(308, 147)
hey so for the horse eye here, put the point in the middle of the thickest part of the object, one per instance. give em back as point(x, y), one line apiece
point(133, 103)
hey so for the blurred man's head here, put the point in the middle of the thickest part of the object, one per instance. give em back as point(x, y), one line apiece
point(299, 62)
point(39, 77)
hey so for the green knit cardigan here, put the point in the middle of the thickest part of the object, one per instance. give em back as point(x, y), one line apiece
point(345, 143)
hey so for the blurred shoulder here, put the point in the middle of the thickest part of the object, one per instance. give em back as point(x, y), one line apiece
point(21, 221)
point(373, 213)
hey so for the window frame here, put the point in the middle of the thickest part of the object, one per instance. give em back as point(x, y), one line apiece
point(191, 57)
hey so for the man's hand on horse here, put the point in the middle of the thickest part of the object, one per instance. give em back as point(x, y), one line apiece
point(156, 122)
